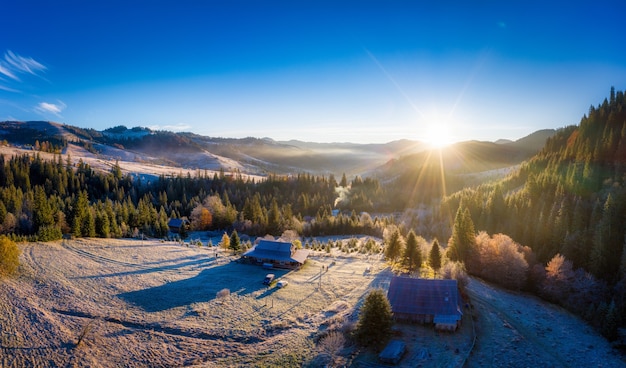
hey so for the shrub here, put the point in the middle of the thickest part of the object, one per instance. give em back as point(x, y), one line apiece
point(331, 345)
point(499, 259)
point(455, 271)
point(9, 256)
point(223, 293)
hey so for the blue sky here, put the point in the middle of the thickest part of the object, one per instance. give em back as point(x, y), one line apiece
point(326, 71)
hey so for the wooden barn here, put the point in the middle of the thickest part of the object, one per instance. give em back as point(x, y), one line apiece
point(175, 225)
point(276, 254)
point(426, 301)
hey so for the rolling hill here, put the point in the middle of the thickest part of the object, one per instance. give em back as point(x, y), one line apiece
point(258, 156)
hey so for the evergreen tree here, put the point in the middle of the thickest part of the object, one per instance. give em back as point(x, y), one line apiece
point(394, 246)
point(608, 243)
point(102, 224)
point(496, 208)
point(183, 232)
point(235, 243)
point(463, 240)
point(80, 210)
point(117, 171)
point(42, 212)
point(110, 213)
point(273, 219)
point(344, 181)
point(611, 322)
point(3, 210)
point(375, 320)
point(434, 257)
point(89, 226)
point(162, 224)
point(412, 253)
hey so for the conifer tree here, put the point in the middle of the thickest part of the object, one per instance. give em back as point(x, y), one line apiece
point(412, 253)
point(162, 224)
point(462, 242)
point(273, 219)
point(42, 212)
point(496, 208)
point(375, 320)
point(80, 210)
point(102, 223)
point(394, 246)
point(89, 226)
point(610, 323)
point(608, 243)
point(434, 257)
point(344, 181)
point(235, 242)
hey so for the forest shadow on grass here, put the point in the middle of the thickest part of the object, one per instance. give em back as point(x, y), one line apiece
point(240, 278)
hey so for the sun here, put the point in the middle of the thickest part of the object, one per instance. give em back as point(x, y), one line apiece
point(438, 135)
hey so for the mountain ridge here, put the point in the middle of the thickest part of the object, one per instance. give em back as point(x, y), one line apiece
point(249, 155)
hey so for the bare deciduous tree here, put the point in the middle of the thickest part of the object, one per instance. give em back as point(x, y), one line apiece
point(500, 259)
point(331, 345)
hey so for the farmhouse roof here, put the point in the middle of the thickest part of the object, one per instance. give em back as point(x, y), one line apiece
point(425, 296)
point(176, 222)
point(277, 251)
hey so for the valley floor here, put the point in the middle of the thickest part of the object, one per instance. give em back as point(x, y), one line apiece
point(133, 303)
point(138, 303)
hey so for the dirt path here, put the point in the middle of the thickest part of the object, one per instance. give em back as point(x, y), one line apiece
point(519, 330)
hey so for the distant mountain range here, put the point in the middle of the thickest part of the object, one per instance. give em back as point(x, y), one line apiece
point(259, 156)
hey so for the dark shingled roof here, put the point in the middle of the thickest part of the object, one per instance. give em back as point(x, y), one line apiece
point(277, 251)
point(176, 222)
point(424, 296)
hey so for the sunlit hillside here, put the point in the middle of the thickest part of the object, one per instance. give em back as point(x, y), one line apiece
point(569, 200)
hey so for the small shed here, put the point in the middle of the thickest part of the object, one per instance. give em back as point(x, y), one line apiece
point(425, 301)
point(276, 253)
point(393, 352)
point(177, 224)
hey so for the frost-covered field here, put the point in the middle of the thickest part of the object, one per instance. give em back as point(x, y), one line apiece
point(148, 303)
point(520, 330)
point(133, 303)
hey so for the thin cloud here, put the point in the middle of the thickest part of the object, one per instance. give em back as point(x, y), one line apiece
point(8, 89)
point(50, 108)
point(7, 72)
point(14, 65)
point(23, 64)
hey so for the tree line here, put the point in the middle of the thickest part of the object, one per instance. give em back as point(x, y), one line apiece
point(44, 199)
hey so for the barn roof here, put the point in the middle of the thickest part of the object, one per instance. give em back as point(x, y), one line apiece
point(277, 251)
point(177, 222)
point(424, 296)
point(275, 247)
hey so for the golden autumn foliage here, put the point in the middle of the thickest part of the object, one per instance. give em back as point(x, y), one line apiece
point(9, 256)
